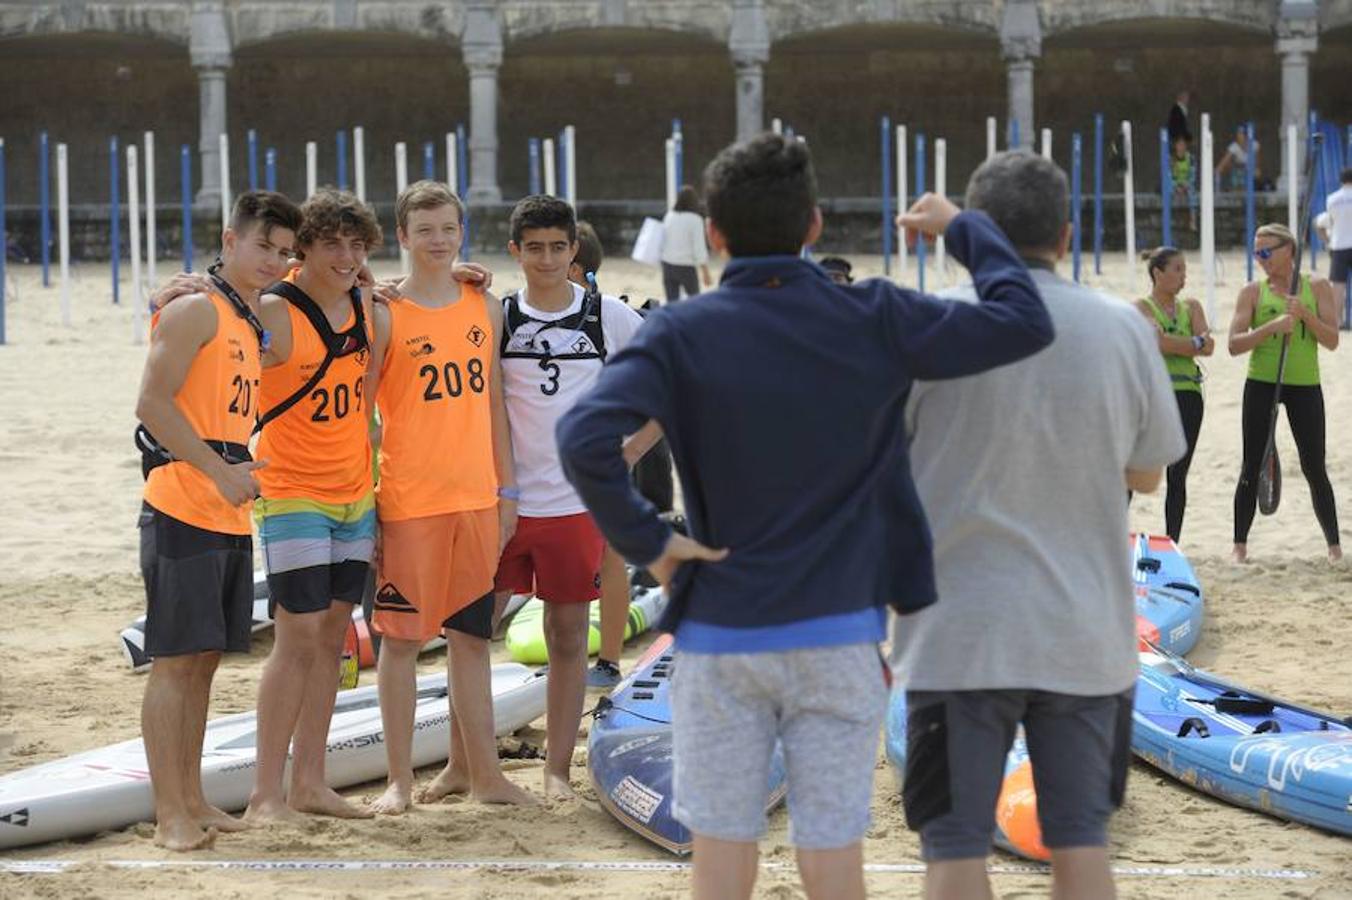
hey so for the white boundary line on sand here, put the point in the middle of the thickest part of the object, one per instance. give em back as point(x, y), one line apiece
point(61, 866)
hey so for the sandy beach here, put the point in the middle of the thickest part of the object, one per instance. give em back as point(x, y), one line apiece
point(69, 581)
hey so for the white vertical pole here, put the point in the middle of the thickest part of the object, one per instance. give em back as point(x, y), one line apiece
point(359, 162)
point(547, 151)
point(1292, 180)
point(940, 188)
point(150, 210)
point(671, 172)
point(401, 182)
point(1046, 143)
point(570, 163)
point(452, 164)
point(1208, 237)
point(1129, 195)
point(226, 200)
point(990, 136)
point(777, 126)
point(901, 199)
point(63, 229)
point(138, 296)
point(311, 168)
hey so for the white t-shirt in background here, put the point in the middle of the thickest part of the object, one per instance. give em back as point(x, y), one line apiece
point(683, 239)
point(1339, 206)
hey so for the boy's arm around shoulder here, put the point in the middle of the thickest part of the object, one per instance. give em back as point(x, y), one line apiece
point(948, 339)
point(635, 385)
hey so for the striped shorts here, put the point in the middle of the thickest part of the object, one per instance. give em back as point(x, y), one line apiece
point(315, 552)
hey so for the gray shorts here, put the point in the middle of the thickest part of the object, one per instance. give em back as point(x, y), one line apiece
point(824, 705)
point(956, 742)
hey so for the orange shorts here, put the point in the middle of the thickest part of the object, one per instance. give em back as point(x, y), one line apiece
point(432, 567)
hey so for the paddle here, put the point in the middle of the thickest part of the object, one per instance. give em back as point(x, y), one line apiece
point(1270, 471)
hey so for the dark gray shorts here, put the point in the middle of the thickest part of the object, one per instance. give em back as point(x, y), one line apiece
point(1340, 261)
point(199, 587)
point(956, 742)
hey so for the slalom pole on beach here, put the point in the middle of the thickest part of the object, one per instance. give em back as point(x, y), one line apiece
point(1047, 144)
point(185, 186)
point(940, 188)
point(63, 228)
point(919, 191)
point(1098, 193)
point(311, 168)
point(462, 188)
point(340, 152)
point(227, 202)
point(902, 205)
point(1015, 141)
point(138, 302)
point(990, 136)
point(551, 183)
point(429, 161)
point(1129, 195)
point(4, 242)
point(401, 182)
point(1208, 225)
point(669, 150)
point(1166, 192)
point(452, 165)
point(1076, 202)
point(887, 223)
point(359, 162)
point(270, 169)
point(568, 167)
point(678, 144)
point(114, 214)
point(1292, 185)
point(1248, 202)
point(533, 153)
point(45, 207)
point(252, 139)
point(151, 251)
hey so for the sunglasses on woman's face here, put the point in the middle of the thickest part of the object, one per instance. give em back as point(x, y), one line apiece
point(1265, 253)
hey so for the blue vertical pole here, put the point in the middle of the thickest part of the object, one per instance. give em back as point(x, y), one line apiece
point(533, 147)
point(1098, 193)
point(340, 138)
point(561, 164)
point(45, 204)
point(1166, 191)
point(919, 190)
point(461, 189)
point(1076, 201)
point(270, 168)
point(114, 212)
point(4, 241)
point(253, 159)
point(1248, 201)
point(185, 184)
point(678, 137)
point(887, 194)
point(1014, 143)
point(429, 161)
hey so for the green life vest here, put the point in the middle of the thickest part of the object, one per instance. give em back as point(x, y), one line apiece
point(1183, 370)
point(1302, 357)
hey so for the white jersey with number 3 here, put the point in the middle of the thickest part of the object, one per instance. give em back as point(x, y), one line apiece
point(546, 367)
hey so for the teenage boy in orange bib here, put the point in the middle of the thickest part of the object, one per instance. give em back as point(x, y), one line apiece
point(198, 399)
point(445, 456)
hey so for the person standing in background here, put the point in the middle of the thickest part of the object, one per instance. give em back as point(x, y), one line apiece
point(1177, 125)
point(683, 247)
point(1338, 209)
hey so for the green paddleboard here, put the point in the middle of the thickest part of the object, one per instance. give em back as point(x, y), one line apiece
point(526, 633)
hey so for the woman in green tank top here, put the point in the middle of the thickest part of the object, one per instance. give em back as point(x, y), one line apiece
point(1265, 315)
point(1183, 336)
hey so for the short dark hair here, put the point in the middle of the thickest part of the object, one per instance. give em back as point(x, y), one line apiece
point(330, 212)
point(1026, 195)
point(542, 211)
point(761, 195)
point(268, 209)
point(687, 200)
point(589, 252)
point(1346, 177)
point(1159, 258)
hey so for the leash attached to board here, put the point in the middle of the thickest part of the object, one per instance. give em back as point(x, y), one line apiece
point(1270, 471)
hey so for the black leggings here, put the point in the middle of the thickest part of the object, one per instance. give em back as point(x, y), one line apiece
point(1176, 497)
point(1305, 415)
point(678, 278)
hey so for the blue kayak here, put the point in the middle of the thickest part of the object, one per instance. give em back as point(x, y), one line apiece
point(1168, 596)
point(1243, 747)
point(629, 753)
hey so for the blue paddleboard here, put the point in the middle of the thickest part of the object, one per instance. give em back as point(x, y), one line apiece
point(1168, 596)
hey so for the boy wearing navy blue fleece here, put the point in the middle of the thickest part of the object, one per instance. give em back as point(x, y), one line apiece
point(782, 395)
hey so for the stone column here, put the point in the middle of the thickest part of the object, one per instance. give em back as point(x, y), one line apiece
point(1020, 45)
point(749, 45)
point(209, 51)
point(482, 42)
point(1297, 39)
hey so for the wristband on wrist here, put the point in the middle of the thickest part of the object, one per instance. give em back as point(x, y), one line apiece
point(1198, 342)
point(510, 493)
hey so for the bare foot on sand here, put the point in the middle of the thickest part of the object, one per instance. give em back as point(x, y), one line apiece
point(325, 801)
point(271, 812)
point(501, 790)
point(1240, 554)
point(1335, 554)
point(557, 786)
point(183, 834)
point(211, 817)
point(448, 781)
point(395, 801)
